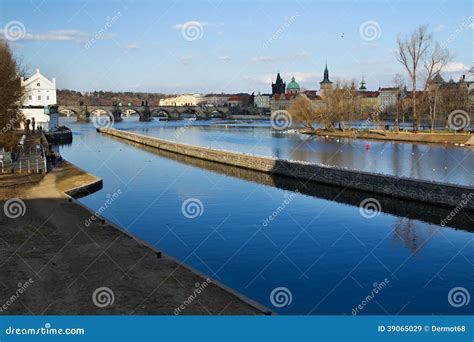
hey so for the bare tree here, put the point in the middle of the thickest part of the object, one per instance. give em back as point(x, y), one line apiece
point(435, 60)
point(303, 111)
point(411, 51)
point(341, 103)
point(11, 95)
point(399, 83)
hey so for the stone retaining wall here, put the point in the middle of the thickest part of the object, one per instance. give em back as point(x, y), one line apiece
point(424, 191)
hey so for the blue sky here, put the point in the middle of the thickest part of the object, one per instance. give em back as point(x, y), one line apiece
point(239, 46)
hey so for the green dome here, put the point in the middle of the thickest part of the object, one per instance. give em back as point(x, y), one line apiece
point(293, 85)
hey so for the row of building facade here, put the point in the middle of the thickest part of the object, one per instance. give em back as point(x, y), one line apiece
point(41, 92)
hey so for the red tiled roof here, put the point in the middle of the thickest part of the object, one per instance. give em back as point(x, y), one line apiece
point(236, 98)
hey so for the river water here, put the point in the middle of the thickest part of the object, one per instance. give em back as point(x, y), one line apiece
point(261, 235)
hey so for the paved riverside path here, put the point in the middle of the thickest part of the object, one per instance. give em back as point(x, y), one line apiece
point(68, 261)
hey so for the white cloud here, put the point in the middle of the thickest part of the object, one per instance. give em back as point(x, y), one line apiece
point(132, 46)
point(263, 59)
point(224, 58)
point(186, 60)
point(455, 67)
point(63, 35)
point(300, 76)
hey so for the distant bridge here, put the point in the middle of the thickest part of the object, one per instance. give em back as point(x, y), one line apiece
point(146, 113)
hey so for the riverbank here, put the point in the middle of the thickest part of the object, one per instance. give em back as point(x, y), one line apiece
point(56, 247)
point(459, 139)
point(441, 194)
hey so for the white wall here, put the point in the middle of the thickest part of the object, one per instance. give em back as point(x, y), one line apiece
point(39, 90)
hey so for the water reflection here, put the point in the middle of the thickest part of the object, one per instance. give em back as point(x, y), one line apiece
point(446, 164)
point(403, 208)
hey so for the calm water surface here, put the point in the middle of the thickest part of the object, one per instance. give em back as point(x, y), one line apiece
point(430, 162)
point(324, 252)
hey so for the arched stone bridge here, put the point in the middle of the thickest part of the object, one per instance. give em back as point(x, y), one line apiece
point(146, 113)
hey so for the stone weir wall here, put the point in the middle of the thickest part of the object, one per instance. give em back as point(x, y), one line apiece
point(458, 197)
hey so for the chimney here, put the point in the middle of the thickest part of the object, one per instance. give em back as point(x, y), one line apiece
point(37, 71)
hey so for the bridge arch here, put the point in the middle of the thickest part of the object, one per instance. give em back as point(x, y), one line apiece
point(216, 114)
point(161, 113)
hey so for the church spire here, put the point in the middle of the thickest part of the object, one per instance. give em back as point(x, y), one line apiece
point(326, 76)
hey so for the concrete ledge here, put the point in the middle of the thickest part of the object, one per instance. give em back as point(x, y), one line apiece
point(441, 194)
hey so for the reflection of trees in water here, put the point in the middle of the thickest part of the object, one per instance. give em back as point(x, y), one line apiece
point(406, 231)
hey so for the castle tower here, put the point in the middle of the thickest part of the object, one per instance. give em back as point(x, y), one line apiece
point(325, 84)
point(279, 86)
point(362, 85)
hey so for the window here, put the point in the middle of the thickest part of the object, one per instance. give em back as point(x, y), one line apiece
point(39, 97)
point(38, 84)
point(30, 97)
point(47, 97)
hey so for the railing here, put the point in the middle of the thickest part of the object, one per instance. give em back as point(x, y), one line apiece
point(26, 160)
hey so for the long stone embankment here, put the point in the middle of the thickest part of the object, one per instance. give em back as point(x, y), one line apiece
point(436, 193)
